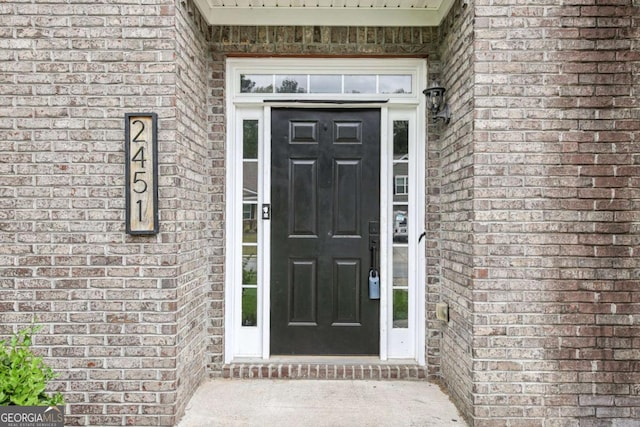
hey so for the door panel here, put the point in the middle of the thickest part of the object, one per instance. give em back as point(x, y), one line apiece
point(324, 194)
point(303, 291)
point(347, 290)
point(346, 207)
point(303, 196)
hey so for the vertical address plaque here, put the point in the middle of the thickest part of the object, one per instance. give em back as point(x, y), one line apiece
point(141, 170)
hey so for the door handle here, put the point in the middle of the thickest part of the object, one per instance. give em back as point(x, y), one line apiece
point(374, 238)
point(373, 246)
point(374, 276)
point(424, 233)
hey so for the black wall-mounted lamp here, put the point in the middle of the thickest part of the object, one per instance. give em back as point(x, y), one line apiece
point(435, 103)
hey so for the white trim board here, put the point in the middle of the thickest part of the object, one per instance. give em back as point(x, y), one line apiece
point(314, 14)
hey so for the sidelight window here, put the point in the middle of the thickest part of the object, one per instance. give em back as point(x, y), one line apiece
point(400, 280)
point(249, 315)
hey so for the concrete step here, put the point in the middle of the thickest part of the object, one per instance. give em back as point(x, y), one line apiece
point(314, 403)
point(322, 371)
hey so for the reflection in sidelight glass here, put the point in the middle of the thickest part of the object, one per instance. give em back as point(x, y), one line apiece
point(250, 181)
point(400, 284)
point(400, 228)
point(400, 139)
point(400, 266)
point(249, 307)
point(249, 273)
point(249, 223)
point(400, 186)
point(400, 308)
point(250, 139)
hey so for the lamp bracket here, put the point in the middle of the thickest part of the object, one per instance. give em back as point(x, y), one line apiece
point(444, 114)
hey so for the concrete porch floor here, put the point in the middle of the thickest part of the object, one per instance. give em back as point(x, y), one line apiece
point(314, 403)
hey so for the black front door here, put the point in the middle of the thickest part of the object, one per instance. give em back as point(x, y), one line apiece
point(325, 195)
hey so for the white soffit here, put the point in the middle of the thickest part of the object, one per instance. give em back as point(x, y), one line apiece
point(371, 13)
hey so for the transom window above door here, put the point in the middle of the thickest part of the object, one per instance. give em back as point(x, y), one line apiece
point(327, 83)
point(332, 80)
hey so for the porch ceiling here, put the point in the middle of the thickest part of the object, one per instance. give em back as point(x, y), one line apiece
point(387, 13)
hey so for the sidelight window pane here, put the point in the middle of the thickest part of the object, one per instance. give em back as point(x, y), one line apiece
point(249, 223)
point(400, 266)
point(400, 139)
point(400, 308)
point(400, 231)
point(250, 139)
point(249, 307)
point(250, 181)
point(249, 265)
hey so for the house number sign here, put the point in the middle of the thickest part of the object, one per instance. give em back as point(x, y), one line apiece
point(141, 170)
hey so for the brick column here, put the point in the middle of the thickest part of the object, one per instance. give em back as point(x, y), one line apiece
point(123, 316)
point(555, 294)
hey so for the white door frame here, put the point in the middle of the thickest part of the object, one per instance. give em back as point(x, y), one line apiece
point(243, 342)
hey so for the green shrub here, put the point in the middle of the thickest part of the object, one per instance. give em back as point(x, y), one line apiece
point(23, 375)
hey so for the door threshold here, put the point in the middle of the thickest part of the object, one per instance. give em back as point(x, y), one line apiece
point(325, 367)
point(342, 360)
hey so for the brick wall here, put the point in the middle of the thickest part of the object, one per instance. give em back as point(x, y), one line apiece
point(217, 143)
point(532, 202)
point(556, 309)
point(324, 40)
point(116, 309)
point(192, 200)
point(455, 203)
